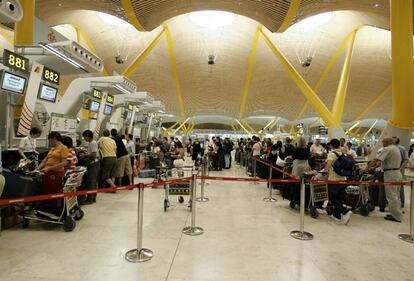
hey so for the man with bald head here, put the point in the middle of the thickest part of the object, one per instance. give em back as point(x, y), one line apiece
point(390, 157)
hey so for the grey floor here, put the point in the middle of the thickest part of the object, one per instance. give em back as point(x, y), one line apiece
point(245, 239)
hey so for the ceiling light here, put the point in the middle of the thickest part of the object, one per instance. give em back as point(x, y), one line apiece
point(315, 21)
point(61, 55)
point(110, 19)
point(121, 88)
point(212, 19)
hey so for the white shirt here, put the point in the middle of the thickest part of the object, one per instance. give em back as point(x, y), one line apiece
point(352, 153)
point(317, 149)
point(28, 144)
point(130, 147)
point(256, 149)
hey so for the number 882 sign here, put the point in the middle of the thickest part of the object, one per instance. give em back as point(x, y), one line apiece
point(51, 76)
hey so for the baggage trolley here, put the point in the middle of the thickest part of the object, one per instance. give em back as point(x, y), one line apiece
point(357, 197)
point(70, 212)
point(318, 196)
point(180, 188)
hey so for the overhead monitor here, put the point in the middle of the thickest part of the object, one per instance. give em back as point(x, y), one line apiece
point(47, 93)
point(13, 83)
point(129, 115)
point(107, 110)
point(94, 106)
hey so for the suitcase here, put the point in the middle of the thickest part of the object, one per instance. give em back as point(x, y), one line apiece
point(150, 173)
point(154, 162)
point(18, 186)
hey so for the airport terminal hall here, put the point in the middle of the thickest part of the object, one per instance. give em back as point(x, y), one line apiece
point(206, 140)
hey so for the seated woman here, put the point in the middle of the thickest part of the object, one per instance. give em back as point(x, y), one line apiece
point(53, 167)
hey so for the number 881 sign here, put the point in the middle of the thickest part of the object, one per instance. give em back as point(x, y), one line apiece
point(51, 76)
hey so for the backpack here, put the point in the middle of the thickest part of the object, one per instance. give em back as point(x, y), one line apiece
point(344, 165)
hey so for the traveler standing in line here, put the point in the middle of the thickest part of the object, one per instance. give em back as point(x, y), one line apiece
point(123, 163)
point(336, 191)
point(93, 165)
point(390, 158)
point(404, 163)
point(343, 146)
point(196, 151)
point(301, 158)
point(108, 149)
point(72, 159)
point(361, 150)
point(27, 146)
point(317, 149)
point(227, 153)
point(130, 147)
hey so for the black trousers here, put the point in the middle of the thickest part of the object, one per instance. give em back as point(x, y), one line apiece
point(336, 197)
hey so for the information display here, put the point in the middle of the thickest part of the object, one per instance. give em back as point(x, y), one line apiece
point(110, 99)
point(129, 115)
point(47, 93)
point(15, 61)
point(107, 110)
point(97, 94)
point(130, 107)
point(51, 76)
point(94, 106)
point(13, 83)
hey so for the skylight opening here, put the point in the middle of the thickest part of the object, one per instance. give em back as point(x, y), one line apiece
point(212, 19)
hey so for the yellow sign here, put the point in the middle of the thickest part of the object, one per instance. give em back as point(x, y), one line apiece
point(15, 61)
point(110, 99)
point(97, 94)
point(50, 75)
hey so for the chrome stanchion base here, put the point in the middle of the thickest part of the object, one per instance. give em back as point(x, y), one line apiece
point(136, 255)
point(193, 231)
point(301, 235)
point(268, 199)
point(406, 237)
point(202, 199)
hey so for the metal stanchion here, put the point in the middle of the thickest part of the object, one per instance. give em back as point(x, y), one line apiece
point(254, 169)
point(139, 254)
point(410, 237)
point(301, 234)
point(270, 198)
point(193, 230)
point(203, 181)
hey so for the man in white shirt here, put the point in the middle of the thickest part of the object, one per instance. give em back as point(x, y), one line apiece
point(316, 148)
point(352, 153)
point(28, 144)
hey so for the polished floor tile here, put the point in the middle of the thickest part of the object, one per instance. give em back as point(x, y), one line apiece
point(245, 239)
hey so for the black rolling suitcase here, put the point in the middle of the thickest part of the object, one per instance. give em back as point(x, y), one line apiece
point(18, 186)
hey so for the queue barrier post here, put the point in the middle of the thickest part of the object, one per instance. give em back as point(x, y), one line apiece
point(270, 198)
point(410, 237)
point(139, 254)
point(203, 182)
point(302, 234)
point(193, 230)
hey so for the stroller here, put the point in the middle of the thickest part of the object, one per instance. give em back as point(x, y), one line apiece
point(65, 215)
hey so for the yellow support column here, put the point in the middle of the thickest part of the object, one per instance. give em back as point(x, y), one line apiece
point(250, 69)
point(143, 55)
point(339, 103)
point(24, 29)
point(402, 64)
point(176, 76)
point(307, 91)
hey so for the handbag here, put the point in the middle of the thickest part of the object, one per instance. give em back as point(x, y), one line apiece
point(409, 173)
point(280, 162)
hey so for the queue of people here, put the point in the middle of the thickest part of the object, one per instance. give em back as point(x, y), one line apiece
point(392, 160)
point(112, 157)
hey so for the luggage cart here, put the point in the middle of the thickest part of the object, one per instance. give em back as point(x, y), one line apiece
point(70, 212)
point(318, 196)
point(180, 188)
point(357, 196)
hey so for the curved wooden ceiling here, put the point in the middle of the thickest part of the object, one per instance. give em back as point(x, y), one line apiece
point(271, 13)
